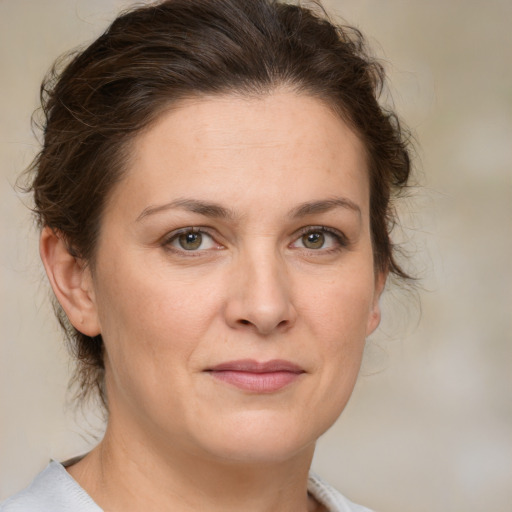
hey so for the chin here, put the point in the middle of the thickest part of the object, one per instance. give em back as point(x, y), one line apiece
point(260, 452)
point(262, 437)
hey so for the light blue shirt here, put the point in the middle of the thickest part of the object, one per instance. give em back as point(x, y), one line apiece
point(54, 490)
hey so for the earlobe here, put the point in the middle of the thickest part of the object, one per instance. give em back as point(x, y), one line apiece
point(71, 282)
point(375, 312)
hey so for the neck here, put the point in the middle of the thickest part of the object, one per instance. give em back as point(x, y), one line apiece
point(123, 474)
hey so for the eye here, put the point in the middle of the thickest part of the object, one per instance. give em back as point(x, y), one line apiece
point(313, 240)
point(319, 238)
point(191, 240)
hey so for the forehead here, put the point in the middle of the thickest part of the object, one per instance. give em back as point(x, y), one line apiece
point(281, 145)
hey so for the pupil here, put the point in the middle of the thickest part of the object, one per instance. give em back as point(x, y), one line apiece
point(313, 240)
point(190, 241)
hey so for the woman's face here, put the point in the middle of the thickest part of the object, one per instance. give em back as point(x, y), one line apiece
point(234, 284)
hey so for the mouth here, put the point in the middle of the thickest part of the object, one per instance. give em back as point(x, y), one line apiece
point(257, 377)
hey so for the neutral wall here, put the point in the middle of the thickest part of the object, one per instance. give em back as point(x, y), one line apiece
point(430, 424)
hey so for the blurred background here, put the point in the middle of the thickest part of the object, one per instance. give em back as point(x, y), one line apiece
point(429, 426)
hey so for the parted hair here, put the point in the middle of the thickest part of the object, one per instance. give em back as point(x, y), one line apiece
point(96, 100)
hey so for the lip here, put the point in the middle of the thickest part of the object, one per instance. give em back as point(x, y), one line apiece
point(255, 376)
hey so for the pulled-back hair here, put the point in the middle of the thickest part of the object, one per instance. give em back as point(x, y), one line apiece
point(154, 56)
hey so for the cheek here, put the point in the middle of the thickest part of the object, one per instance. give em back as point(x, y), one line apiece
point(155, 319)
point(339, 309)
point(148, 322)
point(151, 332)
point(338, 317)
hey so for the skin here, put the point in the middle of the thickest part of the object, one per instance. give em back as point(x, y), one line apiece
point(258, 177)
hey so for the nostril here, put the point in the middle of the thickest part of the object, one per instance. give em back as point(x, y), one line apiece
point(282, 325)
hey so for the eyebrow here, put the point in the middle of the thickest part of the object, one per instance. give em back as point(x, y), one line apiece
point(205, 208)
point(210, 209)
point(322, 206)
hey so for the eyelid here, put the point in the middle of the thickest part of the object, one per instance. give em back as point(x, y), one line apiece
point(167, 240)
point(339, 236)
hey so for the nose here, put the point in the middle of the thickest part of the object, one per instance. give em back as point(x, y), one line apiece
point(260, 297)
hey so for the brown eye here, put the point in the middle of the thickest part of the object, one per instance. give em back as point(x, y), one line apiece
point(190, 241)
point(313, 240)
point(321, 239)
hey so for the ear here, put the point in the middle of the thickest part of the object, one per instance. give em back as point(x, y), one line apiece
point(71, 281)
point(375, 313)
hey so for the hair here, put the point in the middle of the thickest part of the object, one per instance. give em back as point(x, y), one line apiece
point(156, 55)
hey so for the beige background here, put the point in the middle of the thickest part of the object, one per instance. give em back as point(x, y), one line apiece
point(430, 424)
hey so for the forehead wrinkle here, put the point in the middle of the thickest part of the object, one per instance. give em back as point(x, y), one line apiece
point(219, 139)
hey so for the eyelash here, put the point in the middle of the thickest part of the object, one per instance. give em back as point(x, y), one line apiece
point(169, 239)
point(339, 237)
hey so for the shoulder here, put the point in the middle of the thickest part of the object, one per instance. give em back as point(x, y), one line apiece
point(332, 499)
point(53, 490)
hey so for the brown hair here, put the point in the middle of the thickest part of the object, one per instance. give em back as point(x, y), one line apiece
point(155, 55)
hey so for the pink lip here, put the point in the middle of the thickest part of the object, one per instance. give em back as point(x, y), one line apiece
point(258, 377)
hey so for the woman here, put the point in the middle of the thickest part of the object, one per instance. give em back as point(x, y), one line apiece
point(214, 193)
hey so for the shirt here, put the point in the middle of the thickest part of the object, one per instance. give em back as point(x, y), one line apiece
point(55, 490)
